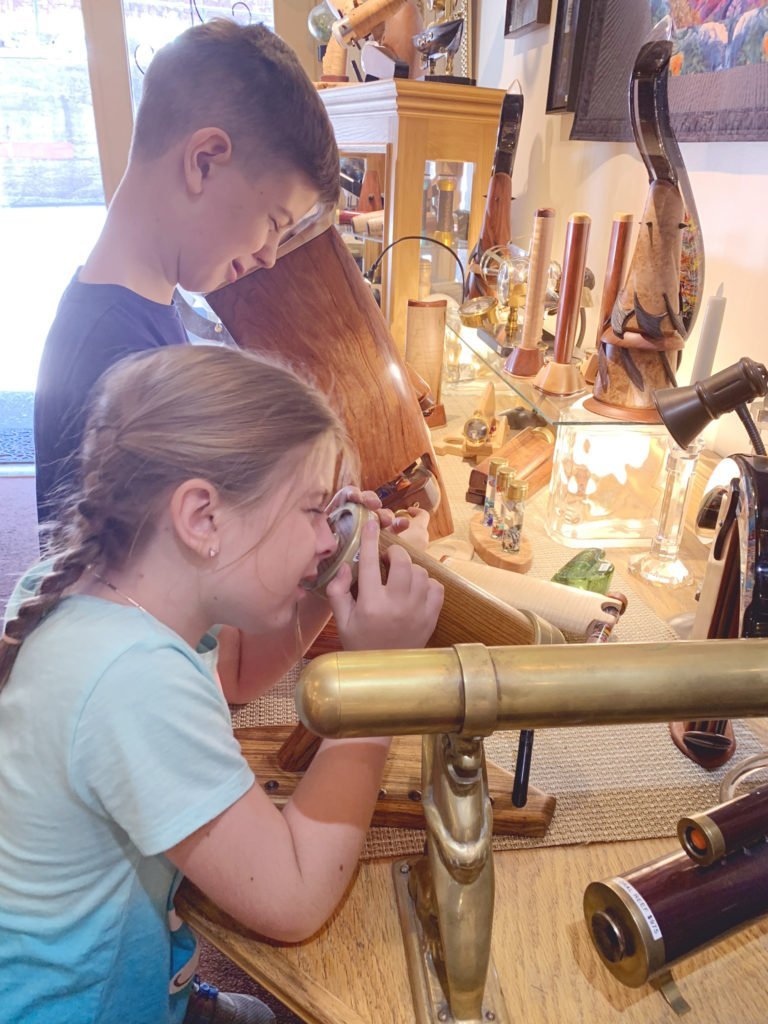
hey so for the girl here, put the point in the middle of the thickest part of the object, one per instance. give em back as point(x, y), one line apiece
point(205, 479)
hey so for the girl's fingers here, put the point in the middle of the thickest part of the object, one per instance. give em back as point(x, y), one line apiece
point(400, 574)
point(369, 568)
point(370, 499)
point(341, 601)
point(386, 518)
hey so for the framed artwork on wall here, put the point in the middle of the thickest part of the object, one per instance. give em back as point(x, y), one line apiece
point(567, 55)
point(526, 15)
point(718, 73)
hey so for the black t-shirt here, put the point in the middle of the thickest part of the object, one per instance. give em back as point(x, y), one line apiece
point(96, 325)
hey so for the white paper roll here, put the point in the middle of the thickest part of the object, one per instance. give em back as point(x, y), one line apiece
point(567, 608)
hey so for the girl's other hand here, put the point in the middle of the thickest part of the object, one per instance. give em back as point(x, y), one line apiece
point(413, 527)
point(399, 614)
point(369, 499)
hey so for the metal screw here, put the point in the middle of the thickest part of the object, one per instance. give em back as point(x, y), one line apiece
point(382, 793)
point(404, 869)
point(271, 785)
point(442, 1015)
point(414, 795)
point(490, 1015)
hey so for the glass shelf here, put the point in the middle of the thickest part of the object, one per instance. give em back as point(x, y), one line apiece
point(555, 410)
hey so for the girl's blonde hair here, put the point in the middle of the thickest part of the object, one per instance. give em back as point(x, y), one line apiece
point(155, 420)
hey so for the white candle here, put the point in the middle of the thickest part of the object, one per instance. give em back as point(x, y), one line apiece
point(709, 336)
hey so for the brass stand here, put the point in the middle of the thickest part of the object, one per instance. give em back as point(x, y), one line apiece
point(429, 1002)
point(446, 906)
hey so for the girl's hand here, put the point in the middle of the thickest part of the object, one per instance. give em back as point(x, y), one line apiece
point(413, 527)
point(399, 614)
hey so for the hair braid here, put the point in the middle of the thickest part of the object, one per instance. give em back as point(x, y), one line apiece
point(157, 419)
point(80, 543)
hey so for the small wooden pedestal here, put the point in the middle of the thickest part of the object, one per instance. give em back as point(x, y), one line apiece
point(490, 550)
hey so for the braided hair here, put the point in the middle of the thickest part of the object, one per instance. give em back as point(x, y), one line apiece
point(155, 420)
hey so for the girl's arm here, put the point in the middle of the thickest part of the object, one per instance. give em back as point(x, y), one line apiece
point(282, 874)
point(248, 665)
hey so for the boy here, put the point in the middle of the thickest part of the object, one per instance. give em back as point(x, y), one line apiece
point(231, 148)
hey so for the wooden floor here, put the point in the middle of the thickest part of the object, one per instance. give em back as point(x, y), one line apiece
point(354, 971)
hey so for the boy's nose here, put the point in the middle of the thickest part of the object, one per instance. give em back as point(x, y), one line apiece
point(265, 257)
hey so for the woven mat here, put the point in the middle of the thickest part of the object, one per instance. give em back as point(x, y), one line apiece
point(611, 782)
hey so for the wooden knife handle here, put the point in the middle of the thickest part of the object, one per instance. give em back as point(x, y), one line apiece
point(571, 285)
point(538, 272)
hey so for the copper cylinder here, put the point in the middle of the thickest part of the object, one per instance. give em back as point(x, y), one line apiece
point(572, 286)
point(643, 921)
point(713, 834)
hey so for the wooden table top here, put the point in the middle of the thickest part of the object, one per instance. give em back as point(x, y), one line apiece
point(354, 970)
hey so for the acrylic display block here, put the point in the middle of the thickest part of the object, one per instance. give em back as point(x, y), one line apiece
point(607, 483)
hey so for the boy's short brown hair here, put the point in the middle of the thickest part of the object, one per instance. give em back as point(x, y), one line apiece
point(248, 82)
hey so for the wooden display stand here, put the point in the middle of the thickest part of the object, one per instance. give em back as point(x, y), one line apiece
point(399, 803)
point(408, 123)
point(491, 552)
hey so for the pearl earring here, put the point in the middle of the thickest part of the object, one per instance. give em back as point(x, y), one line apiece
point(212, 552)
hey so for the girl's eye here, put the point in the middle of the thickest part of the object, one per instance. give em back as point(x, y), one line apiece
point(316, 511)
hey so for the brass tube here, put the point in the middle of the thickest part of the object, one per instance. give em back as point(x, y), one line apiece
point(380, 693)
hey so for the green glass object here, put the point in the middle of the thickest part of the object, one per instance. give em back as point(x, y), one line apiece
point(589, 570)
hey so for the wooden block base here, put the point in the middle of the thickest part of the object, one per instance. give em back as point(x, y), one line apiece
point(399, 803)
point(490, 550)
point(463, 448)
point(437, 417)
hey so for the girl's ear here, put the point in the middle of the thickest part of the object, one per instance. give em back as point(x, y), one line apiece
point(195, 508)
point(205, 150)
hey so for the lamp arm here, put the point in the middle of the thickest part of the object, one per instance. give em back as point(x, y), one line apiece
point(751, 428)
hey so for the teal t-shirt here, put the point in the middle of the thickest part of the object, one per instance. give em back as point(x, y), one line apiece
point(115, 744)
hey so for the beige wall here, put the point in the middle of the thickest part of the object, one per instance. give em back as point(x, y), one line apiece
point(291, 25)
point(730, 185)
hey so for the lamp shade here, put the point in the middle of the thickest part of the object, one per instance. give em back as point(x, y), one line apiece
point(686, 411)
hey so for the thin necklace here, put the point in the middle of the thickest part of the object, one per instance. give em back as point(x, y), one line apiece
point(119, 593)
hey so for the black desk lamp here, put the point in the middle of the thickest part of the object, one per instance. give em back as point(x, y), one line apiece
point(686, 411)
point(733, 601)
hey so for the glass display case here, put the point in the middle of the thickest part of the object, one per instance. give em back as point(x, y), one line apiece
point(608, 475)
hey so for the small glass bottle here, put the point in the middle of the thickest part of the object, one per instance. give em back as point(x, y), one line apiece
point(490, 490)
point(512, 512)
point(504, 475)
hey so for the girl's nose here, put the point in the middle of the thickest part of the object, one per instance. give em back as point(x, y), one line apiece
point(327, 540)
